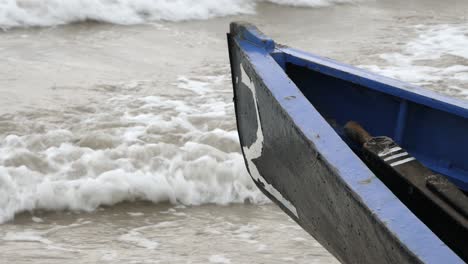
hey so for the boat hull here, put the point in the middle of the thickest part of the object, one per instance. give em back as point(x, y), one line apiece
point(283, 145)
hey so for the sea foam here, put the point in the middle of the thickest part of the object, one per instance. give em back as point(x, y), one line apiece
point(437, 58)
point(27, 13)
point(180, 148)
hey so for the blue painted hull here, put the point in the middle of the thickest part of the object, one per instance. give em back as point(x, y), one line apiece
point(290, 108)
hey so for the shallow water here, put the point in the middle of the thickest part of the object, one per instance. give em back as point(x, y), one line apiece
point(148, 233)
point(95, 114)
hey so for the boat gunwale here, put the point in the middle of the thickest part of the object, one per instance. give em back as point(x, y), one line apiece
point(374, 81)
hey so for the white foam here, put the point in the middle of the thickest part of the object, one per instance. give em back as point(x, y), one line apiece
point(24, 13)
point(109, 255)
point(219, 259)
point(29, 236)
point(37, 219)
point(261, 247)
point(437, 58)
point(135, 214)
point(139, 240)
point(155, 148)
point(311, 3)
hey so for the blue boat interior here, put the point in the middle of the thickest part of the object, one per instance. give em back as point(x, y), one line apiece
point(429, 129)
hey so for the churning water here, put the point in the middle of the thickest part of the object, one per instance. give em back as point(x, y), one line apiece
point(118, 140)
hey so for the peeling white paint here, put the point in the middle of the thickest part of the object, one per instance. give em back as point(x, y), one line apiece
point(255, 150)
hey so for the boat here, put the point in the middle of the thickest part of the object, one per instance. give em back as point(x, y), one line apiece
point(375, 169)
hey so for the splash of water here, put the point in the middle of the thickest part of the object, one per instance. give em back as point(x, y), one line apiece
point(182, 148)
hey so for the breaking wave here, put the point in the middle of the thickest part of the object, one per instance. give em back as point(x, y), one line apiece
point(160, 148)
point(27, 13)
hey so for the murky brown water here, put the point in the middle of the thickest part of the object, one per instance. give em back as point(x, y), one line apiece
point(96, 114)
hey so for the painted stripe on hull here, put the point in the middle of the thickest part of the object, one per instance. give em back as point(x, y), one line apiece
point(254, 151)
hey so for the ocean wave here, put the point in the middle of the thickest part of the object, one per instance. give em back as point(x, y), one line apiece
point(159, 148)
point(437, 59)
point(32, 13)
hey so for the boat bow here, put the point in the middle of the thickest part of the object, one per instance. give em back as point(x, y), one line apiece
point(298, 160)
